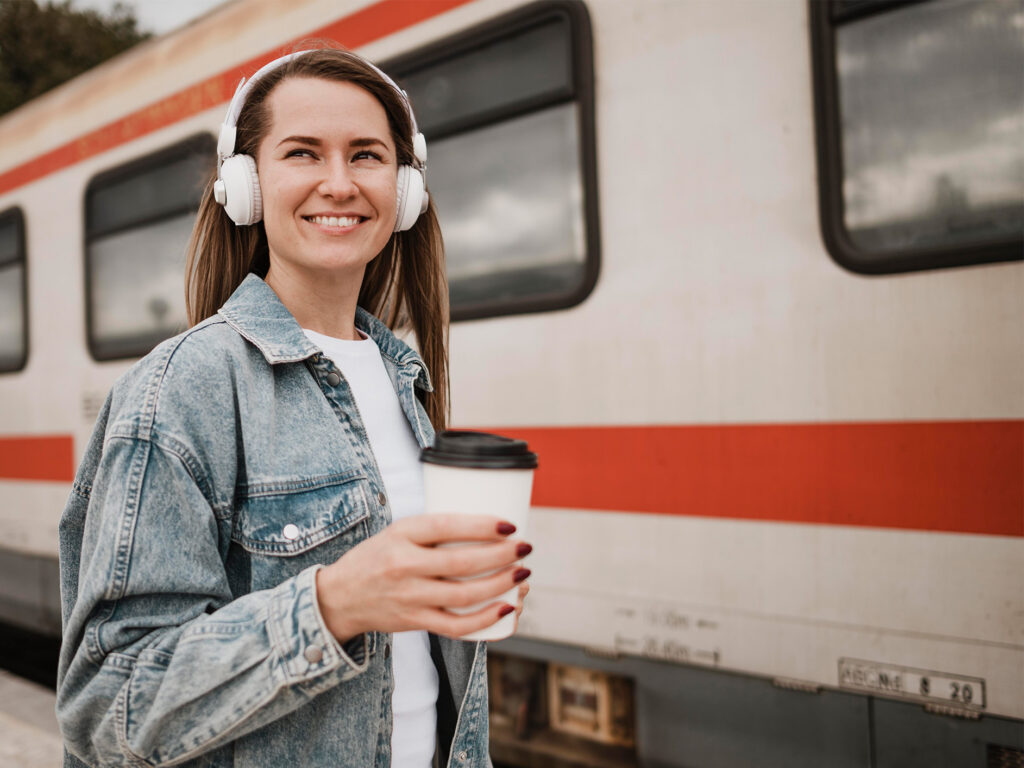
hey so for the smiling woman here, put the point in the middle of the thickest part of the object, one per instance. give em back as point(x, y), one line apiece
point(245, 536)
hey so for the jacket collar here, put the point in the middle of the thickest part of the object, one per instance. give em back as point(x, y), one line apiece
point(258, 315)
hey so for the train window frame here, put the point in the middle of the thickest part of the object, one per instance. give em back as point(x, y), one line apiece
point(200, 142)
point(17, 216)
point(579, 93)
point(825, 18)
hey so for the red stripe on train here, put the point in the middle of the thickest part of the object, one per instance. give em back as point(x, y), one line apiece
point(963, 476)
point(352, 31)
point(40, 457)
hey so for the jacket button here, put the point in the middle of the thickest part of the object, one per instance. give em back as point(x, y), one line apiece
point(291, 531)
point(313, 654)
point(463, 756)
point(387, 651)
point(381, 498)
point(333, 379)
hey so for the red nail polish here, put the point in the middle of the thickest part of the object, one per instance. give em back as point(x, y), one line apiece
point(520, 575)
point(523, 550)
point(506, 528)
point(505, 610)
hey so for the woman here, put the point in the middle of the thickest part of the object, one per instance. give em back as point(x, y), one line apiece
point(233, 592)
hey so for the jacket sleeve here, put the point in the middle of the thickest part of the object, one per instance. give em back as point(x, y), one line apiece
point(159, 664)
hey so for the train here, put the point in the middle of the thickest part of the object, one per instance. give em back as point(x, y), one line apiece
point(746, 276)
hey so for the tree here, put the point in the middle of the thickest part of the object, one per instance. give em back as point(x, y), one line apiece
point(42, 46)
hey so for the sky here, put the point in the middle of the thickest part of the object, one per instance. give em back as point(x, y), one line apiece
point(156, 16)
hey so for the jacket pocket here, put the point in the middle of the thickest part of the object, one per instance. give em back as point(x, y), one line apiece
point(282, 528)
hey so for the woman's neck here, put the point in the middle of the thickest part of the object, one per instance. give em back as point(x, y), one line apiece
point(322, 303)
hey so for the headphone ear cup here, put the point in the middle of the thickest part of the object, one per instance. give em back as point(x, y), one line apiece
point(411, 197)
point(243, 200)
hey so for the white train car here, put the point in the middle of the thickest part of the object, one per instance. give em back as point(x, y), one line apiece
point(746, 275)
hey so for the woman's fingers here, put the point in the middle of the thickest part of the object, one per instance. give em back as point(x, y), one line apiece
point(426, 530)
point(474, 545)
point(442, 622)
point(461, 594)
point(467, 559)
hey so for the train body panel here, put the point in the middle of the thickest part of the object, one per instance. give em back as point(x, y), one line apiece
point(716, 306)
point(681, 590)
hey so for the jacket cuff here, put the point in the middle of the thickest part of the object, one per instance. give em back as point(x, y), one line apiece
point(305, 646)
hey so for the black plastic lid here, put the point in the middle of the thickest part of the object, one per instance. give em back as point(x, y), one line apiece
point(480, 450)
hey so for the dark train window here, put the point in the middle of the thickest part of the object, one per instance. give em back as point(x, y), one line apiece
point(507, 109)
point(138, 219)
point(920, 131)
point(13, 292)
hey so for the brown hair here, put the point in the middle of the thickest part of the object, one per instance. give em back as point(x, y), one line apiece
point(404, 285)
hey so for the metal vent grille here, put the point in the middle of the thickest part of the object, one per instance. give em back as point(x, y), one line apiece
point(1004, 757)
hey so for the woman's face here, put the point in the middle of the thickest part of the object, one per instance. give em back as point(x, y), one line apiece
point(327, 170)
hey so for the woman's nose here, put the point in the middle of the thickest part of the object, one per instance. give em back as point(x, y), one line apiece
point(337, 181)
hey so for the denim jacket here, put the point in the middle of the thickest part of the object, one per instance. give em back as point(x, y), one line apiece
point(226, 467)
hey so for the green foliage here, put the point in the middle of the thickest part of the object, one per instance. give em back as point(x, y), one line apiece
point(42, 46)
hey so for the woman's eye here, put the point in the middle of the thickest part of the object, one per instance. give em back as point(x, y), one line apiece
point(299, 153)
point(366, 154)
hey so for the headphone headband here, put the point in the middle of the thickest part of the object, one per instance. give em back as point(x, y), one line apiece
point(229, 128)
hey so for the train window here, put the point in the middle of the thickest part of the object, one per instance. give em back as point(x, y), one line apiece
point(920, 131)
point(138, 220)
point(507, 109)
point(13, 299)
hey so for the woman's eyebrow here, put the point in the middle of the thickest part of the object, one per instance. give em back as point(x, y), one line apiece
point(366, 142)
point(311, 140)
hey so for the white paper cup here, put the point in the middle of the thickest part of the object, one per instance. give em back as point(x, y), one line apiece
point(476, 473)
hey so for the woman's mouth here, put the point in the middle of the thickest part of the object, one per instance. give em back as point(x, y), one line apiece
point(335, 222)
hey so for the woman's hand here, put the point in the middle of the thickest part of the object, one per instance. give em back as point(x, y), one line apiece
point(397, 580)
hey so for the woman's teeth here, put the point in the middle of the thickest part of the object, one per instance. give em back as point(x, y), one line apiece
point(335, 221)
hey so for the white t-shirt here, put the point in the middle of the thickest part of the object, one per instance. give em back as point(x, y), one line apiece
point(397, 452)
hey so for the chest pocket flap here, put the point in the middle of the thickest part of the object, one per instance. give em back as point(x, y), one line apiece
point(290, 517)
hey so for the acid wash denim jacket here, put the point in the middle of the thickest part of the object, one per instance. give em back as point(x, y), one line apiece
point(226, 467)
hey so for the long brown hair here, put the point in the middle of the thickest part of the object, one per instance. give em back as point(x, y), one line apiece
point(404, 285)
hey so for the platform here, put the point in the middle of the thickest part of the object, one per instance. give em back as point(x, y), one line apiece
point(29, 737)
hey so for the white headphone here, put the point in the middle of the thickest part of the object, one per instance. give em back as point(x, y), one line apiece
point(237, 187)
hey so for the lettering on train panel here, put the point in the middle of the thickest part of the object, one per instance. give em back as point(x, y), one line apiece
point(910, 683)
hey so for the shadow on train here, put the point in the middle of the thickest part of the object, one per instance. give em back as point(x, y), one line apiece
point(29, 655)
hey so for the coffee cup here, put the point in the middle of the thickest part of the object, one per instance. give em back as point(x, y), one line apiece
point(478, 473)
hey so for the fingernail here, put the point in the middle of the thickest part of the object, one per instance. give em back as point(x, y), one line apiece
point(506, 528)
point(520, 574)
point(505, 610)
point(523, 550)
